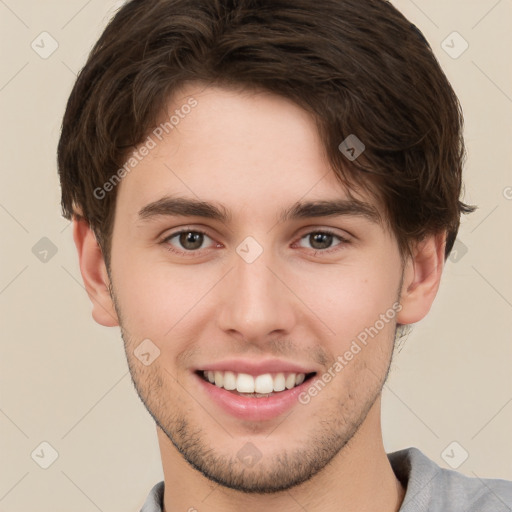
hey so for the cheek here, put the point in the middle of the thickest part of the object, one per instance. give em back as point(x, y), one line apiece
point(352, 298)
point(154, 297)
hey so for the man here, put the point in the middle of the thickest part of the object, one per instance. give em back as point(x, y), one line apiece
point(264, 194)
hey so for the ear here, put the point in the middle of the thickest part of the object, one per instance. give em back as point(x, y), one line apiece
point(94, 273)
point(422, 276)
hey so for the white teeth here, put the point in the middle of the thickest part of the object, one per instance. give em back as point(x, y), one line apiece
point(245, 383)
point(279, 382)
point(290, 381)
point(263, 384)
point(229, 381)
point(219, 379)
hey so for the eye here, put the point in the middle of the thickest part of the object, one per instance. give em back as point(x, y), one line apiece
point(189, 241)
point(322, 240)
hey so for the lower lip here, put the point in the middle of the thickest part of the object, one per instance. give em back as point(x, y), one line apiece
point(252, 408)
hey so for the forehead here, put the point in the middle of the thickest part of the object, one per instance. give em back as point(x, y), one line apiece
point(244, 150)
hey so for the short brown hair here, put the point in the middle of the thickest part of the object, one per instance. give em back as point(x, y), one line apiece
point(357, 66)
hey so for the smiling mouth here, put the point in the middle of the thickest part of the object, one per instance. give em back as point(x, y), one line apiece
point(259, 386)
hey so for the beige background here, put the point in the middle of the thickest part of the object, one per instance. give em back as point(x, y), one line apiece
point(64, 379)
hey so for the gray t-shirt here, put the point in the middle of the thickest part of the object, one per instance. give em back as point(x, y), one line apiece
point(429, 488)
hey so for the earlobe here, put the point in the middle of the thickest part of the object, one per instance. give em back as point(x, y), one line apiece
point(94, 273)
point(422, 276)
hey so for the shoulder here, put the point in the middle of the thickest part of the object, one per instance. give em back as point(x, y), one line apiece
point(154, 501)
point(432, 488)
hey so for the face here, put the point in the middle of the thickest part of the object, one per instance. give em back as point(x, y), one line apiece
point(255, 287)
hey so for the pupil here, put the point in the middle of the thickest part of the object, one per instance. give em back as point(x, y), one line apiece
point(321, 240)
point(191, 240)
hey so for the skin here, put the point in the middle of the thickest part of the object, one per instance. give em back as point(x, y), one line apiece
point(256, 153)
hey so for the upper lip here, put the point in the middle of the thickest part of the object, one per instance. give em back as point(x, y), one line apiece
point(252, 367)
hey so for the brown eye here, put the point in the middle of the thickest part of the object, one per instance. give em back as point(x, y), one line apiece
point(320, 240)
point(191, 240)
point(186, 241)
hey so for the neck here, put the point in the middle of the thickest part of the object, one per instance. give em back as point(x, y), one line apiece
point(358, 479)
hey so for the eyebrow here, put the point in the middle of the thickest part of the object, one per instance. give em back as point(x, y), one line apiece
point(185, 207)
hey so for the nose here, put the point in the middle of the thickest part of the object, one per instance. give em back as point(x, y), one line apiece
point(256, 300)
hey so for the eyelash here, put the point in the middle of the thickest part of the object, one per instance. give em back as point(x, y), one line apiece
point(344, 241)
